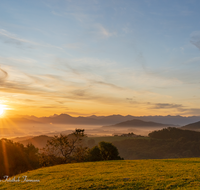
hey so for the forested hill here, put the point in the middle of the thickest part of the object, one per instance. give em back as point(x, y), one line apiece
point(165, 143)
point(175, 133)
point(192, 126)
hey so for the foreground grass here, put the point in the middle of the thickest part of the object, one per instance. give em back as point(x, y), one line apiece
point(134, 174)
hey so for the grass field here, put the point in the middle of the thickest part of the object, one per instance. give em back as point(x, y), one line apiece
point(134, 174)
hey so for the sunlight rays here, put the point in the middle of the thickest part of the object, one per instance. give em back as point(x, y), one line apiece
point(6, 164)
point(1, 110)
point(8, 128)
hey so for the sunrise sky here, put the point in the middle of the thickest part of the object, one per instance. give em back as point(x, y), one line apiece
point(102, 57)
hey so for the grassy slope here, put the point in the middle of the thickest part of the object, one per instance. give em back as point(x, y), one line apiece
point(142, 174)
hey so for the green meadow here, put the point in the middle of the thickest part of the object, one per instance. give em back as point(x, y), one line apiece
point(123, 174)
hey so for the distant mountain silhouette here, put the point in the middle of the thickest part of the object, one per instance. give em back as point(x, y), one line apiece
point(138, 123)
point(193, 126)
point(112, 119)
point(67, 119)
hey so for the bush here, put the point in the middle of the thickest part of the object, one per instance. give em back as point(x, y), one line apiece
point(95, 154)
point(104, 151)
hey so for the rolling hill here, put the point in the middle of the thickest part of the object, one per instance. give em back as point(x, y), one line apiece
point(136, 174)
point(38, 141)
point(138, 123)
point(193, 126)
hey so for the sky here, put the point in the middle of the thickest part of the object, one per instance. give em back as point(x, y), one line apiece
point(100, 57)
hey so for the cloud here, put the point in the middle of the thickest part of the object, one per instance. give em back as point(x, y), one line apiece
point(53, 107)
point(84, 80)
point(88, 74)
point(103, 32)
point(184, 110)
point(129, 99)
point(166, 106)
point(28, 100)
point(81, 17)
point(13, 39)
point(17, 82)
point(3, 74)
point(192, 111)
point(107, 84)
point(86, 70)
point(79, 114)
point(80, 93)
point(19, 63)
point(103, 77)
point(57, 87)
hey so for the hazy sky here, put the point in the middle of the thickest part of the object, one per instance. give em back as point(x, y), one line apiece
point(102, 57)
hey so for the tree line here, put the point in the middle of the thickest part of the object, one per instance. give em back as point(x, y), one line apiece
point(175, 133)
point(166, 143)
point(15, 158)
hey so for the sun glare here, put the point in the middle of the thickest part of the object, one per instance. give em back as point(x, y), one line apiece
point(1, 110)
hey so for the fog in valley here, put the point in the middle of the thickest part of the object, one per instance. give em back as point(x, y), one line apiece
point(22, 130)
point(94, 126)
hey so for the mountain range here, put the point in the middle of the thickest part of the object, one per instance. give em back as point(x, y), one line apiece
point(112, 119)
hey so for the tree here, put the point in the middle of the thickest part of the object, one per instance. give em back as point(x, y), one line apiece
point(32, 155)
point(109, 151)
point(64, 149)
point(104, 151)
point(94, 154)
